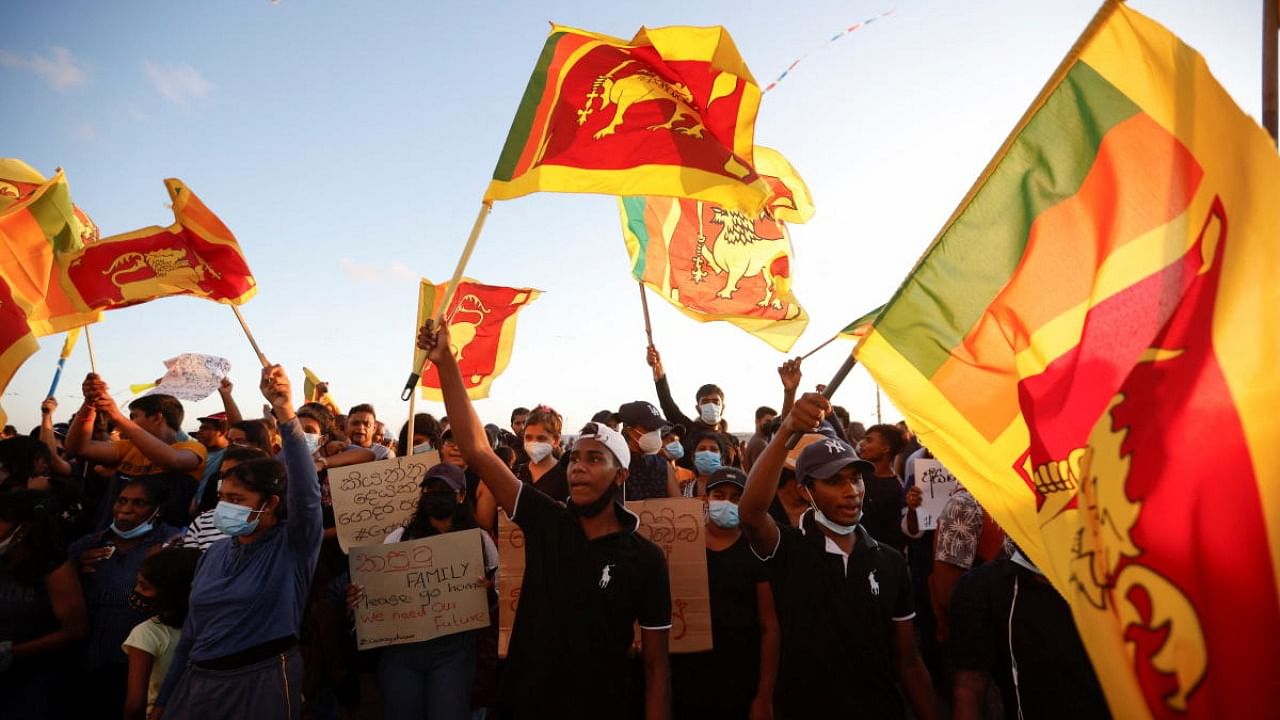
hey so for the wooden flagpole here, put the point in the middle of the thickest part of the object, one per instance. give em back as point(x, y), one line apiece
point(828, 342)
point(245, 326)
point(476, 228)
point(93, 359)
point(644, 303)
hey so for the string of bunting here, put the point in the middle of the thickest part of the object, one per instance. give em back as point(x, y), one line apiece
point(834, 38)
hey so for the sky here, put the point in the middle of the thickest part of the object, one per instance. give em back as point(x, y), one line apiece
point(348, 145)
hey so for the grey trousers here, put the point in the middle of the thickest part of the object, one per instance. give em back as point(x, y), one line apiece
point(270, 690)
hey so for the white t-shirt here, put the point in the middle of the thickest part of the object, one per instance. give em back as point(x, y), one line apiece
point(159, 641)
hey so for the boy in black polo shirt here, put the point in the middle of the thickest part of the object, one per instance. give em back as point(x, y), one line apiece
point(843, 599)
point(588, 577)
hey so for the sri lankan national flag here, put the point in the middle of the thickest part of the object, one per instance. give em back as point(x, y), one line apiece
point(714, 263)
point(38, 226)
point(1090, 345)
point(482, 331)
point(196, 255)
point(671, 113)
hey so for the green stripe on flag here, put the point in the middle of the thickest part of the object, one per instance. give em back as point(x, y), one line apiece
point(522, 124)
point(634, 207)
point(972, 261)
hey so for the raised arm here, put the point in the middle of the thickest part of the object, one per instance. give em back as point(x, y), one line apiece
point(468, 431)
point(670, 409)
point(306, 520)
point(789, 373)
point(155, 449)
point(229, 402)
point(57, 465)
point(80, 440)
point(762, 482)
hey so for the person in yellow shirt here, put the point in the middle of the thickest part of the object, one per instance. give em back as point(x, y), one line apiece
point(152, 447)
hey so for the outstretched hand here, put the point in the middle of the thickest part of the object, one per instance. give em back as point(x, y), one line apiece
point(277, 390)
point(655, 361)
point(808, 413)
point(789, 372)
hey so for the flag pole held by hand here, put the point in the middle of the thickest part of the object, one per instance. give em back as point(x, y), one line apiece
point(644, 303)
point(467, 249)
point(261, 358)
point(828, 391)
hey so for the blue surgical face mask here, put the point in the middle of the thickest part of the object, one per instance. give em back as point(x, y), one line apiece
point(706, 461)
point(675, 450)
point(142, 529)
point(313, 441)
point(422, 448)
point(723, 513)
point(710, 413)
point(232, 519)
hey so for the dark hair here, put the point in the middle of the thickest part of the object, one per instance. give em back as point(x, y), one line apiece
point(721, 441)
point(505, 454)
point(856, 431)
point(19, 456)
point(319, 413)
point(841, 412)
point(423, 424)
point(419, 525)
point(363, 408)
point(171, 571)
point(218, 424)
point(264, 476)
point(256, 432)
point(155, 486)
point(167, 405)
point(707, 390)
point(518, 411)
point(40, 550)
point(237, 453)
point(10, 430)
point(892, 435)
point(764, 411)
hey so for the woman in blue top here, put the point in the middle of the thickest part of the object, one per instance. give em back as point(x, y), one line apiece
point(238, 656)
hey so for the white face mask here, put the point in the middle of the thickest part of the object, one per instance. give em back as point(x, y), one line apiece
point(538, 451)
point(422, 448)
point(650, 443)
point(710, 413)
point(830, 524)
point(313, 441)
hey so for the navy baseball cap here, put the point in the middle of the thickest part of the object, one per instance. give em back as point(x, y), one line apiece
point(452, 475)
point(824, 458)
point(727, 475)
point(643, 415)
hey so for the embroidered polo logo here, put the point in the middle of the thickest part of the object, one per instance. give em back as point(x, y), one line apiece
point(873, 583)
point(606, 576)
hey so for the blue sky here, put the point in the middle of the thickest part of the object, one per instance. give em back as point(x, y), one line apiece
point(348, 145)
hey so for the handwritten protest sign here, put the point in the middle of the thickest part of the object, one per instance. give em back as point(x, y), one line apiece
point(420, 589)
point(192, 377)
point(372, 499)
point(938, 485)
point(676, 525)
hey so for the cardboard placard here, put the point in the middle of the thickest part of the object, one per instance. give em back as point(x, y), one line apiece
point(372, 499)
point(938, 485)
point(677, 526)
point(420, 589)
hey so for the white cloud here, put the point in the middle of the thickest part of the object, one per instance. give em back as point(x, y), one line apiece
point(59, 68)
point(393, 273)
point(179, 84)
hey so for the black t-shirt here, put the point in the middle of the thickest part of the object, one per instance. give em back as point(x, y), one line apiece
point(838, 624)
point(882, 510)
point(554, 483)
point(647, 477)
point(578, 608)
point(1055, 677)
point(722, 681)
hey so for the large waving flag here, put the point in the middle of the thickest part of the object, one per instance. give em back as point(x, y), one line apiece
point(1090, 346)
point(39, 226)
point(482, 330)
point(671, 113)
point(196, 255)
point(714, 263)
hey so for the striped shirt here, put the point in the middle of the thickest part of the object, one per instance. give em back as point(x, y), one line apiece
point(201, 533)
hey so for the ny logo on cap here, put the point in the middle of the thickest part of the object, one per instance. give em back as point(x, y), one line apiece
point(834, 446)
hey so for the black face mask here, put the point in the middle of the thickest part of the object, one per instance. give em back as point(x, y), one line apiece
point(142, 603)
point(439, 505)
point(595, 508)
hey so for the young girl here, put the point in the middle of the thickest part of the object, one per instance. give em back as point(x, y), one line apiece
point(710, 453)
point(433, 678)
point(164, 582)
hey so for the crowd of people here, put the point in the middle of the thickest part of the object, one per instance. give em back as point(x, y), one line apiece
point(148, 572)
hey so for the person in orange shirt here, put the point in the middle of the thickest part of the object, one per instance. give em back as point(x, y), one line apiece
point(152, 447)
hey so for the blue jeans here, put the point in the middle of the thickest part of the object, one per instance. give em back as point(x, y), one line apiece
point(428, 679)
